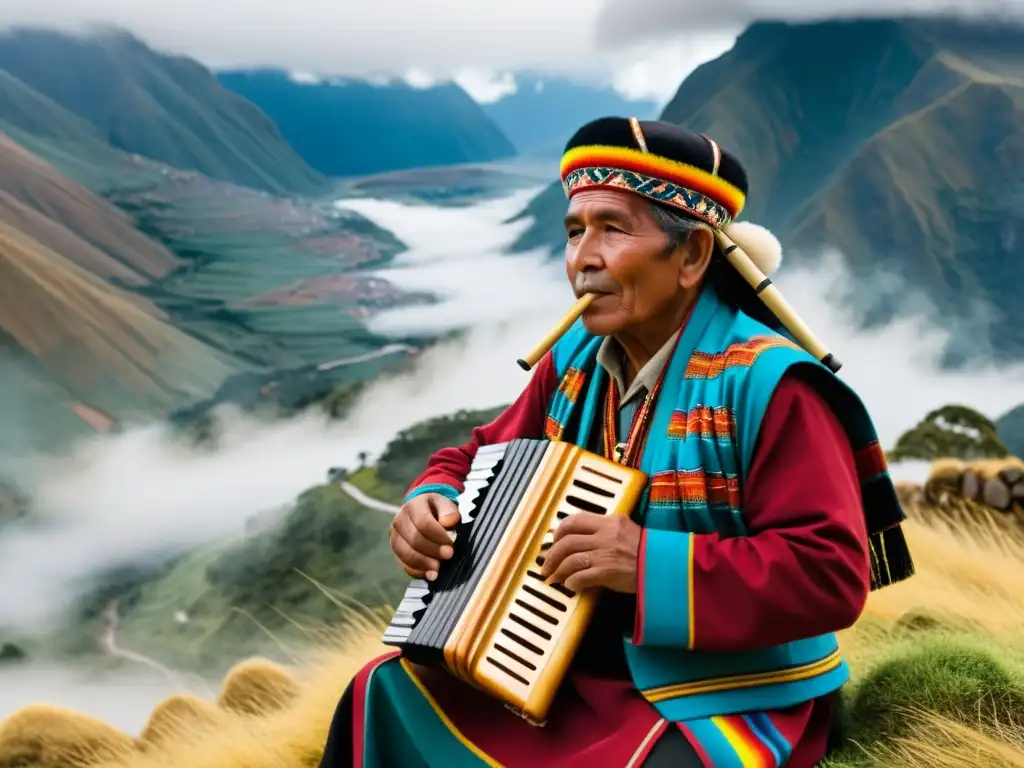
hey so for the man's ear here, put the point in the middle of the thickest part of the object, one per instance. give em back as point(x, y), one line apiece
point(697, 251)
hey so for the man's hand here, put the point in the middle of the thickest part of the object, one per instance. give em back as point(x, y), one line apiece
point(594, 551)
point(419, 537)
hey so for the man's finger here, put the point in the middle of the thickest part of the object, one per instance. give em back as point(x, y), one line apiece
point(565, 547)
point(575, 563)
point(581, 522)
point(410, 558)
point(590, 577)
point(406, 528)
point(444, 509)
point(422, 516)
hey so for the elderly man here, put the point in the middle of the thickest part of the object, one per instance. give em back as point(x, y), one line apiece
point(768, 518)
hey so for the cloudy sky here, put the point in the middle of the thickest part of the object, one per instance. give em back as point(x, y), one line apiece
point(643, 47)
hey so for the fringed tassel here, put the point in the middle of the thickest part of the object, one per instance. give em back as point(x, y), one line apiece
point(890, 557)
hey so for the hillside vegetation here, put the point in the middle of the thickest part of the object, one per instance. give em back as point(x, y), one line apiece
point(68, 218)
point(865, 136)
point(98, 342)
point(248, 594)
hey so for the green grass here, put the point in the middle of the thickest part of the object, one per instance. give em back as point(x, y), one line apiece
point(959, 676)
point(368, 480)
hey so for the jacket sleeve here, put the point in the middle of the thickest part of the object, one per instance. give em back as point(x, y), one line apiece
point(446, 470)
point(803, 571)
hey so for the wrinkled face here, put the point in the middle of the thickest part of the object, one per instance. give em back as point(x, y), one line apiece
point(616, 249)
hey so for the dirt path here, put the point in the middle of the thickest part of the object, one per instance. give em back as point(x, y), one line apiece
point(368, 501)
point(108, 642)
point(108, 638)
point(390, 349)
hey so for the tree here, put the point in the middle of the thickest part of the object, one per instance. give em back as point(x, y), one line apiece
point(953, 431)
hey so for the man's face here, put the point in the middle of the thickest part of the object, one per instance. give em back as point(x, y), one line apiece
point(616, 249)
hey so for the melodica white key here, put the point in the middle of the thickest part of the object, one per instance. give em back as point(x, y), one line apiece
point(405, 616)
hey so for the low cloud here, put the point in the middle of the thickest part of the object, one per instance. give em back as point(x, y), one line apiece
point(475, 43)
point(133, 497)
point(631, 21)
point(125, 499)
point(345, 37)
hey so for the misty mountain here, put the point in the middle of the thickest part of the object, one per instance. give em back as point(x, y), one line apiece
point(130, 288)
point(166, 108)
point(545, 111)
point(349, 127)
point(898, 142)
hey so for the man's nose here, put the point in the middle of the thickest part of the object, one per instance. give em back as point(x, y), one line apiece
point(587, 256)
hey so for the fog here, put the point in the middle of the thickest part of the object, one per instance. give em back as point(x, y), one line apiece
point(121, 499)
point(124, 700)
point(475, 43)
point(633, 20)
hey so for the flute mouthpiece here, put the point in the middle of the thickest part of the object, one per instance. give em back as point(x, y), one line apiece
point(574, 314)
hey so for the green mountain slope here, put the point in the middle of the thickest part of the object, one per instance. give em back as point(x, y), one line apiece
point(104, 347)
point(276, 281)
point(166, 108)
point(350, 128)
point(84, 228)
point(71, 144)
point(897, 142)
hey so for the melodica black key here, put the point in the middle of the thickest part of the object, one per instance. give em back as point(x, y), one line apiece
point(513, 477)
point(498, 477)
point(421, 593)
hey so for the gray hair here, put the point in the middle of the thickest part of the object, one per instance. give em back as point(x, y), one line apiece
point(677, 226)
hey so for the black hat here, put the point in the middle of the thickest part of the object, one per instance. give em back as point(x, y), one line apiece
point(670, 166)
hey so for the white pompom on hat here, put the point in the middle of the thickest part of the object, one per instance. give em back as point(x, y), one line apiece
point(760, 245)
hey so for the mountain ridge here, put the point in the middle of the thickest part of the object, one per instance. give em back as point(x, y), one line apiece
point(866, 137)
point(544, 111)
point(351, 127)
point(167, 108)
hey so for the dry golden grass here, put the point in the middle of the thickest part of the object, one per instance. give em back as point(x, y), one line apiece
point(42, 736)
point(258, 686)
point(178, 716)
point(291, 737)
point(967, 577)
point(950, 744)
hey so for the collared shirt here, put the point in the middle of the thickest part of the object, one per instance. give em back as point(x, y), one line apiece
point(611, 357)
